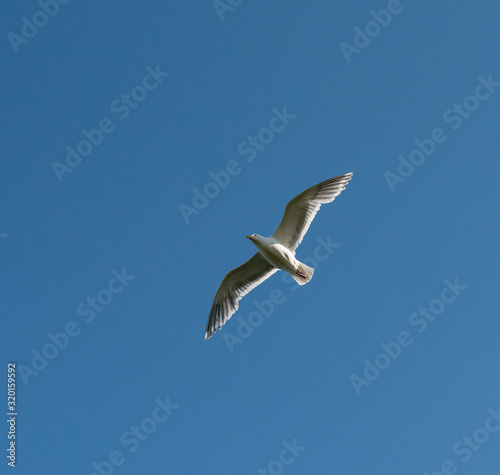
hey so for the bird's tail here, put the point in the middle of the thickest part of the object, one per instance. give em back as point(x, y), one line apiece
point(304, 274)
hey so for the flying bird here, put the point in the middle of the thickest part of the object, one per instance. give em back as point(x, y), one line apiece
point(274, 253)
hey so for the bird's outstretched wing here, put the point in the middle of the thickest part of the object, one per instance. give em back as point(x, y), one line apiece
point(234, 287)
point(301, 210)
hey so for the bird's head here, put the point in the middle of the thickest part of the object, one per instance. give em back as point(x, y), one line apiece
point(253, 237)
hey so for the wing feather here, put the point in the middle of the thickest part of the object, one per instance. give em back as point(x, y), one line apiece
point(237, 283)
point(301, 210)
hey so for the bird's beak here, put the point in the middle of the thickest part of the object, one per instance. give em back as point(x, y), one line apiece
point(248, 237)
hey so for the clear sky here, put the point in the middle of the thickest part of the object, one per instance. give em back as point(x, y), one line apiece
point(141, 142)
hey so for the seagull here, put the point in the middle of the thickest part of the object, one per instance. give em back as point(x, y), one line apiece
point(276, 252)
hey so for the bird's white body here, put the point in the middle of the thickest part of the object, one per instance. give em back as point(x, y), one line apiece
point(279, 256)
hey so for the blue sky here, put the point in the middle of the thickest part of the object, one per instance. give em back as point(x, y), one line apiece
point(189, 125)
